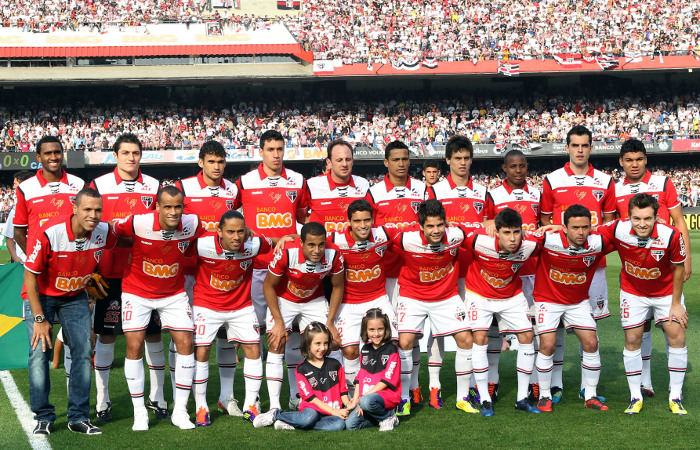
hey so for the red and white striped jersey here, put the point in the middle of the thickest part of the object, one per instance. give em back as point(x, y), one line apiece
point(156, 264)
point(658, 186)
point(209, 203)
point(122, 198)
point(329, 201)
point(63, 264)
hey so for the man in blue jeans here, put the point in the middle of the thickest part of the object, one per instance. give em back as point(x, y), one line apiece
point(59, 265)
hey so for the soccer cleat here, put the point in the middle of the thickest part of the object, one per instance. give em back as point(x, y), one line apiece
point(416, 396)
point(202, 417)
point(676, 407)
point(647, 392)
point(44, 428)
point(160, 412)
point(582, 395)
point(294, 403)
point(404, 408)
point(436, 398)
point(596, 403)
point(466, 405)
point(181, 419)
point(524, 405)
point(389, 423)
point(251, 413)
point(534, 392)
point(474, 396)
point(84, 427)
point(230, 407)
point(635, 406)
point(493, 391)
point(545, 404)
point(140, 420)
point(486, 409)
point(104, 415)
point(264, 419)
point(279, 425)
point(557, 394)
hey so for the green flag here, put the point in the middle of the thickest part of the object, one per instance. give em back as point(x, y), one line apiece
point(14, 345)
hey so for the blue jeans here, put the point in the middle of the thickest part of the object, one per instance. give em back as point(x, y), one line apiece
point(310, 419)
point(373, 412)
point(74, 315)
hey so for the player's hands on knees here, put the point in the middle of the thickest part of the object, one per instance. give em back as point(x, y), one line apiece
point(42, 335)
point(277, 336)
point(679, 313)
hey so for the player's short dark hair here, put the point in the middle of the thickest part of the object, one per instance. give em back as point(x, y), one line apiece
point(360, 205)
point(228, 215)
point(313, 229)
point(508, 218)
point(431, 163)
point(86, 192)
point(375, 313)
point(127, 138)
point(170, 190)
point(642, 201)
point(632, 145)
point(336, 142)
point(512, 154)
point(430, 208)
point(48, 140)
point(23, 175)
point(576, 211)
point(270, 135)
point(308, 334)
point(212, 148)
point(458, 143)
point(394, 145)
point(579, 130)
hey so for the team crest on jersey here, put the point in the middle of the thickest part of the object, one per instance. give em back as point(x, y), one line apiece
point(72, 199)
point(229, 204)
point(656, 196)
point(245, 264)
point(535, 207)
point(598, 194)
point(414, 206)
point(182, 245)
point(460, 314)
point(292, 196)
point(515, 267)
point(365, 360)
point(333, 374)
point(453, 251)
point(98, 255)
point(385, 359)
point(313, 382)
point(588, 260)
point(478, 206)
point(657, 254)
point(147, 201)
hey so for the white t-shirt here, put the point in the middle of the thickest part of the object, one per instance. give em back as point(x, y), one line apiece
point(9, 232)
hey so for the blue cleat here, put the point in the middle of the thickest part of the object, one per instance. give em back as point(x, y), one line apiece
point(524, 405)
point(486, 409)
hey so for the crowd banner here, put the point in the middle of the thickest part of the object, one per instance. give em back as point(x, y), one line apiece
point(686, 145)
point(13, 332)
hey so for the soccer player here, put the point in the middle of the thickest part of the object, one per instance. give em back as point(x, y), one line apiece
point(579, 183)
point(222, 299)
point(395, 202)
point(16, 253)
point(516, 194)
point(464, 203)
point(294, 291)
point(494, 290)
point(363, 248)
point(431, 172)
point(209, 195)
point(651, 282)
point(154, 281)
point(62, 256)
point(568, 261)
point(633, 159)
point(428, 290)
point(125, 191)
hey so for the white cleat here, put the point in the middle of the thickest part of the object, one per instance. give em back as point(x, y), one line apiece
point(181, 420)
point(264, 419)
point(230, 406)
point(140, 420)
point(279, 425)
point(389, 423)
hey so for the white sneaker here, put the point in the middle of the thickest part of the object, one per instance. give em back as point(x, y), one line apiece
point(294, 403)
point(264, 419)
point(279, 425)
point(389, 423)
point(230, 406)
point(181, 419)
point(140, 420)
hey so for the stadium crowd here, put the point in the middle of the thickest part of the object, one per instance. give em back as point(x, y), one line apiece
point(416, 119)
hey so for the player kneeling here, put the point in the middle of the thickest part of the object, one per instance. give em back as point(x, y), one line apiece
point(222, 299)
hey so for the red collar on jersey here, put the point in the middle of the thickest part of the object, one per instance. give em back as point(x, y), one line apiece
point(332, 184)
point(647, 177)
point(351, 241)
point(654, 232)
point(390, 186)
point(43, 182)
point(156, 222)
point(119, 179)
point(203, 184)
point(69, 229)
point(452, 184)
point(570, 172)
point(263, 175)
point(509, 190)
point(565, 241)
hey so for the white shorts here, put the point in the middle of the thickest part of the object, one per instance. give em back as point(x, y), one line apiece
point(392, 291)
point(598, 295)
point(257, 295)
point(241, 325)
point(511, 313)
point(315, 310)
point(578, 315)
point(635, 310)
point(348, 321)
point(447, 317)
point(175, 312)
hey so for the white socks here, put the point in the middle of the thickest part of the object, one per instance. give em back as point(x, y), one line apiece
point(544, 373)
point(274, 373)
point(135, 379)
point(646, 359)
point(463, 370)
point(525, 363)
point(226, 358)
point(351, 366)
point(184, 373)
point(558, 360)
point(406, 368)
point(104, 357)
point(480, 362)
point(155, 357)
point(590, 365)
point(201, 378)
point(677, 364)
point(253, 372)
point(436, 353)
point(633, 369)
